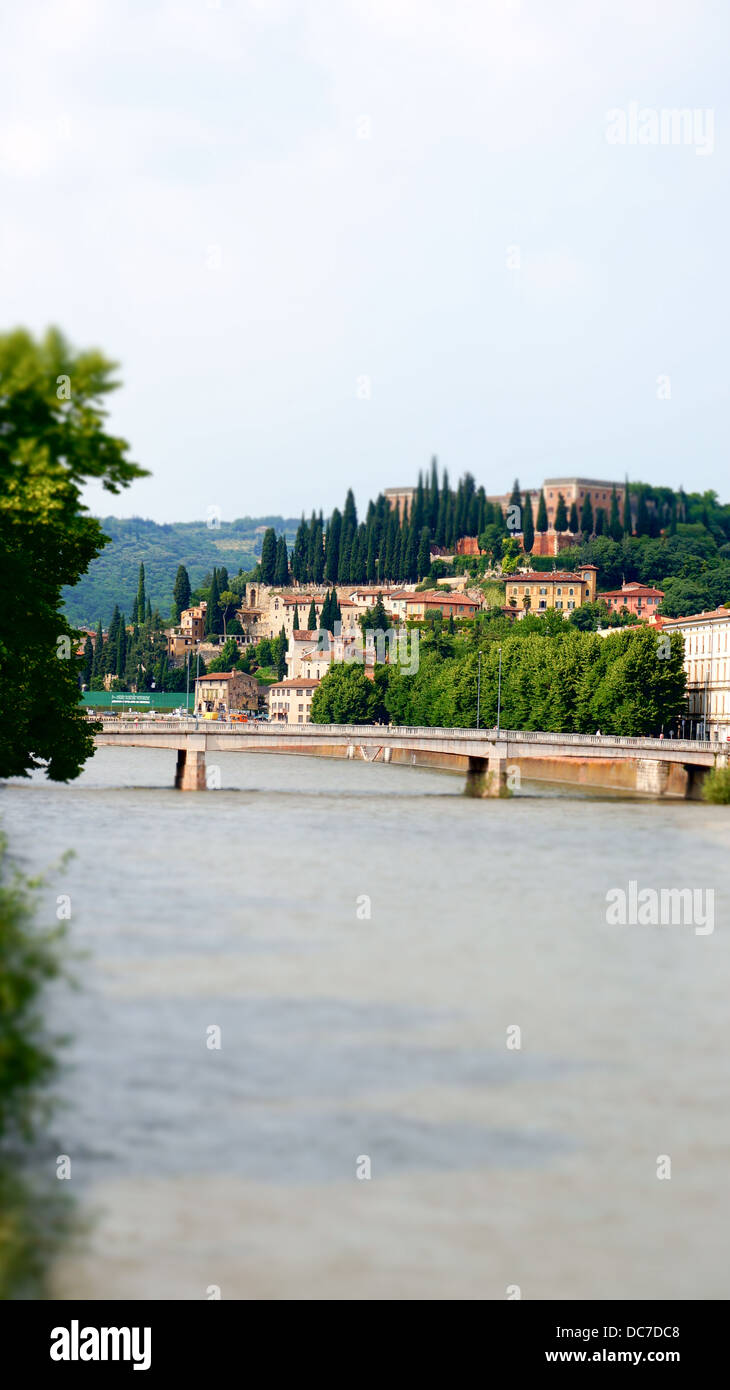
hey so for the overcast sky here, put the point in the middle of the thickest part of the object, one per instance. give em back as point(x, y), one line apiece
point(328, 240)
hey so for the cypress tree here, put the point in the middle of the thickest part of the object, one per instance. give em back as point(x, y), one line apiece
point(573, 522)
point(599, 526)
point(299, 553)
point(642, 516)
point(442, 512)
point(140, 596)
point(371, 556)
point(561, 514)
point(433, 497)
point(528, 529)
point(181, 593)
point(586, 516)
point(318, 553)
point(148, 614)
point(615, 529)
point(110, 650)
point(423, 559)
point(332, 547)
point(280, 655)
point(516, 498)
point(281, 572)
point(360, 574)
point(88, 664)
point(268, 556)
point(96, 669)
point(628, 524)
point(295, 625)
point(312, 618)
point(542, 516)
point(411, 564)
point(121, 655)
point(211, 612)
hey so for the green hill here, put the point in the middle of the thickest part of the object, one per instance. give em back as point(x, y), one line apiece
point(112, 577)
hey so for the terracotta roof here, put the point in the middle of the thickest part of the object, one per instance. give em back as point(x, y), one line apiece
point(223, 676)
point(301, 634)
point(546, 576)
point(288, 684)
point(428, 596)
point(700, 617)
point(632, 591)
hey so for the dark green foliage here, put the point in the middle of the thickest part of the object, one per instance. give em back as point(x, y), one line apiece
point(181, 593)
point(561, 514)
point(49, 448)
point(573, 522)
point(423, 561)
point(268, 556)
point(312, 618)
point(586, 517)
point(281, 573)
point(528, 529)
point(542, 516)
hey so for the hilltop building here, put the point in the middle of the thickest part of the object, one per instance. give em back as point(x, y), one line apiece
point(290, 701)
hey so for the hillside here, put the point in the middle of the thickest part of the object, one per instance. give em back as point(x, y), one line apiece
point(112, 577)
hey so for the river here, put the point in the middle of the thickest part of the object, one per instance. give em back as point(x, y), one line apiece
point(363, 941)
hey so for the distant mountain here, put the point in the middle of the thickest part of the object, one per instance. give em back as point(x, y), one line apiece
point(112, 577)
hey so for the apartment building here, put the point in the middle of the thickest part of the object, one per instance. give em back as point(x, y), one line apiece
point(707, 668)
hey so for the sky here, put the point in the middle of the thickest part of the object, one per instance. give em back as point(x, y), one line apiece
point(328, 240)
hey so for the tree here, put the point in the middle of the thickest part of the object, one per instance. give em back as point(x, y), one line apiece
point(615, 529)
point(642, 516)
point(227, 603)
point(573, 523)
point(516, 497)
point(586, 517)
point(141, 596)
point(424, 553)
point(542, 516)
point(227, 658)
point(627, 522)
point(281, 572)
point(561, 514)
point(599, 525)
point(268, 556)
point(312, 618)
point(52, 442)
point(295, 625)
point(279, 647)
point(528, 529)
point(346, 696)
point(181, 593)
point(212, 612)
point(88, 664)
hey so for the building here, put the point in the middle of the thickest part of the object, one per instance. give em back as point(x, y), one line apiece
point(468, 545)
point(417, 606)
point(562, 589)
point(639, 599)
point(707, 668)
point(189, 631)
point(290, 701)
point(223, 691)
point(400, 497)
point(576, 490)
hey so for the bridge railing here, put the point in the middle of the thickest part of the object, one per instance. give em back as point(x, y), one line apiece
point(307, 732)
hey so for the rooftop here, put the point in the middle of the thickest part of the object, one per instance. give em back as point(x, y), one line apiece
point(303, 681)
point(715, 615)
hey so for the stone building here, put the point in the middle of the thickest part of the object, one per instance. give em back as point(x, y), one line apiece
point(707, 668)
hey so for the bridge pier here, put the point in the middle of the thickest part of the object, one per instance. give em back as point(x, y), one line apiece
point(652, 776)
point(487, 776)
point(190, 770)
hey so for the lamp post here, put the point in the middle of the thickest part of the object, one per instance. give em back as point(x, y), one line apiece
point(187, 687)
point(499, 691)
point(479, 687)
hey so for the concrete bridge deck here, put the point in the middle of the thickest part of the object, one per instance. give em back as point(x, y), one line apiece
point(651, 766)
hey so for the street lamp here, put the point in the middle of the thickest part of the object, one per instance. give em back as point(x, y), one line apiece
point(479, 686)
point(499, 691)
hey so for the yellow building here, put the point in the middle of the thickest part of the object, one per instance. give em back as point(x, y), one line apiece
point(562, 589)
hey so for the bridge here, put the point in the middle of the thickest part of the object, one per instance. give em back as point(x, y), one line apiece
point(651, 766)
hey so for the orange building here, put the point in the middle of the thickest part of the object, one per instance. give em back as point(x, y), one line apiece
point(639, 599)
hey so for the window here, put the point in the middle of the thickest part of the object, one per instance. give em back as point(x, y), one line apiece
point(300, 720)
point(299, 692)
point(559, 591)
point(570, 591)
point(301, 707)
point(543, 591)
point(559, 604)
point(571, 603)
point(543, 603)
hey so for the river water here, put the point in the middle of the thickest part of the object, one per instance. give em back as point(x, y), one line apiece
point(367, 940)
